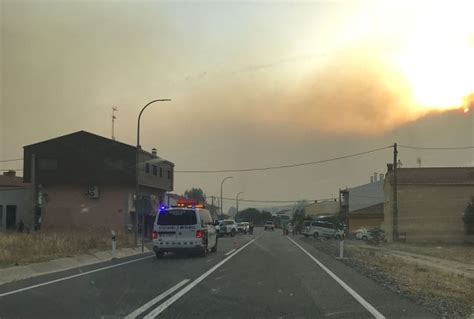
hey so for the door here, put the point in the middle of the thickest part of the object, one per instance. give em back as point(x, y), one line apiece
point(11, 217)
point(207, 223)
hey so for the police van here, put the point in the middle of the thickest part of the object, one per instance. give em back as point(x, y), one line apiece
point(184, 230)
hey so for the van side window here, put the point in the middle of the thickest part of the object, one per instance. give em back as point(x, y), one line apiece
point(205, 217)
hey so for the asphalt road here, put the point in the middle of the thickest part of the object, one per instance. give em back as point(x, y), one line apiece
point(266, 275)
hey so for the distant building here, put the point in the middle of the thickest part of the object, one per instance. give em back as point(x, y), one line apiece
point(16, 200)
point(366, 204)
point(322, 208)
point(431, 202)
point(88, 181)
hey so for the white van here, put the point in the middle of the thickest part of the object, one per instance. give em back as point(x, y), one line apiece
point(321, 228)
point(184, 230)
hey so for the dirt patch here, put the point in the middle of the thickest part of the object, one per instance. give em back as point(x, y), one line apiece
point(463, 252)
point(22, 248)
point(448, 295)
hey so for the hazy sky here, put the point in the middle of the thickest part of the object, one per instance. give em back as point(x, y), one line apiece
point(253, 84)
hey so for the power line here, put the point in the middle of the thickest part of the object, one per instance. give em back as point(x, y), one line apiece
point(299, 201)
point(437, 148)
point(285, 166)
point(11, 160)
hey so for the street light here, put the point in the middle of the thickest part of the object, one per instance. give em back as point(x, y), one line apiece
point(136, 175)
point(222, 183)
point(237, 202)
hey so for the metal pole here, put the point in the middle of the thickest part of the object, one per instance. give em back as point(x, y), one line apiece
point(395, 194)
point(222, 183)
point(136, 176)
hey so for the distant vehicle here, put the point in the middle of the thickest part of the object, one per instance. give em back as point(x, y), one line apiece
point(184, 230)
point(370, 235)
point(269, 225)
point(324, 229)
point(227, 227)
point(243, 227)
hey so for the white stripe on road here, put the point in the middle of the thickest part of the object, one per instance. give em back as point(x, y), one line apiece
point(70, 277)
point(229, 252)
point(150, 303)
point(186, 289)
point(351, 291)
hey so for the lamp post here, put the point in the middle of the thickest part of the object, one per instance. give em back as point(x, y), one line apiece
point(222, 183)
point(237, 202)
point(137, 157)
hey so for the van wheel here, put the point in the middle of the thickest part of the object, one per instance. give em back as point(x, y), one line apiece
point(232, 232)
point(364, 238)
point(159, 254)
point(214, 249)
point(305, 235)
point(316, 235)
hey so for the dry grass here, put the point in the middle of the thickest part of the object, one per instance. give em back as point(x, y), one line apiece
point(22, 248)
point(425, 283)
point(462, 252)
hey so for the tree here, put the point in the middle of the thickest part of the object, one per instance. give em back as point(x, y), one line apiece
point(196, 194)
point(266, 216)
point(250, 215)
point(468, 217)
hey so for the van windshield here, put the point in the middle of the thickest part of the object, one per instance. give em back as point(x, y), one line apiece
point(177, 217)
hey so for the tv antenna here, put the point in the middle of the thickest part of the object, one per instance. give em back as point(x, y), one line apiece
point(114, 109)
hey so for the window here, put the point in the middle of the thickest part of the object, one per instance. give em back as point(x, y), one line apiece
point(169, 174)
point(147, 168)
point(177, 217)
point(155, 169)
point(205, 217)
point(161, 172)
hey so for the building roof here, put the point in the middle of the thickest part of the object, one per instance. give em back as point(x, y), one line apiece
point(9, 182)
point(434, 175)
point(375, 210)
point(366, 195)
point(86, 134)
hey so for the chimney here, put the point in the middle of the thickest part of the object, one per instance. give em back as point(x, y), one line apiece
point(10, 173)
point(381, 176)
point(389, 167)
point(371, 179)
point(153, 151)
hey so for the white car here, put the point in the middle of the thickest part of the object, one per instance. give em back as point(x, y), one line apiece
point(369, 234)
point(228, 227)
point(319, 228)
point(184, 230)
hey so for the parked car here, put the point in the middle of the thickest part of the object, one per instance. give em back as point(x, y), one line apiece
point(243, 227)
point(227, 227)
point(269, 225)
point(362, 234)
point(324, 229)
point(184, 230)
point(370, 235)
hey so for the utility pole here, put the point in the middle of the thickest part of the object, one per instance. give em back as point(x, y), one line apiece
point(395, 193)
point(114, 109)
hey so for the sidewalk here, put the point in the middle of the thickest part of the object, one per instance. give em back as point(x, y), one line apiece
point(37, 269)
point(445, 265)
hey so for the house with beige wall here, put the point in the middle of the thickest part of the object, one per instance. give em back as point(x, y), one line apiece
point(431, 202)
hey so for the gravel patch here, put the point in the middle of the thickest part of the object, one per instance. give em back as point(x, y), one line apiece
point(440, 293)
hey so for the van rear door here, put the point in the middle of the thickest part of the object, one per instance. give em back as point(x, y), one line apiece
point(177, 224)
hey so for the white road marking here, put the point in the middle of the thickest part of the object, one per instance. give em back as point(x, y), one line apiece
point(229, 252)
point(70, 277)
point(150, 303)
point(186, 289)
point(351, 291)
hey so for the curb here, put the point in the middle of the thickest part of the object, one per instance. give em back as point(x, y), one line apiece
point(43, 268)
